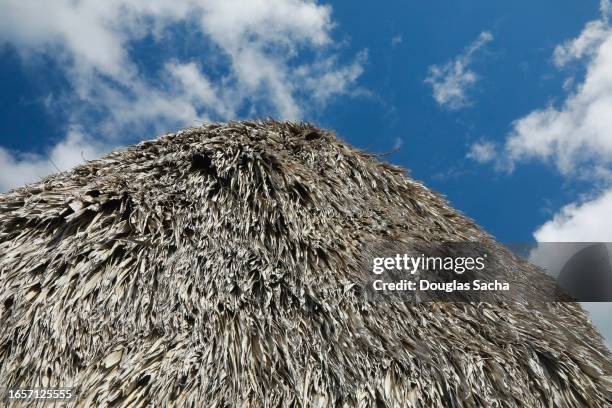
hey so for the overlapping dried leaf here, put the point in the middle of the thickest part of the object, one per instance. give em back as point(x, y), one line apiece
point(215, 267)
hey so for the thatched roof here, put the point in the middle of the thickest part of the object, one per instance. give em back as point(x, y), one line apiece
point(213, 267)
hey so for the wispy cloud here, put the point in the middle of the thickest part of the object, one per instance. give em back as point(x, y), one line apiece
point(398, 143)
point(482, 151)
point(574, 136)
point(395, 41)
point(605, 9)
point(451, 82)
point(278, 58)
point(16, 167)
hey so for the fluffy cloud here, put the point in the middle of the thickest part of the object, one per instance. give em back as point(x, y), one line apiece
point(575, 136)
point(450, 82)
point(19, 168)
point(576, 224)
point(588, 221)
point(274, 58)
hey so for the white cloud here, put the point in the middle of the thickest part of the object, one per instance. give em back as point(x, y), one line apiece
point(482, 151)
point(605, 9)
point(395, 41)
point(577, 223)
point(588, 221)
point(323, 81)
point(197, 87)
point(575, 136)
point(17, 169)
point(586, 44)
point(450, 82)
point(256, 58)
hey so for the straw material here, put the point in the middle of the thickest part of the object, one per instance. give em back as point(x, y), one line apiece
point(216, 267)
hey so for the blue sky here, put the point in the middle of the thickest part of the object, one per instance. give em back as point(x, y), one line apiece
point(516, 76)
point(388, 104)
point(504, 107)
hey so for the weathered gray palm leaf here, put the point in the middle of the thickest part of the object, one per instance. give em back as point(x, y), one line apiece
point(214, 267)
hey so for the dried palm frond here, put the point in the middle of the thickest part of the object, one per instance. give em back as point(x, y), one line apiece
point(216, 267)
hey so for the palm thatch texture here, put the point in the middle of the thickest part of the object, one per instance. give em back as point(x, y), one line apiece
point(213, 267)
